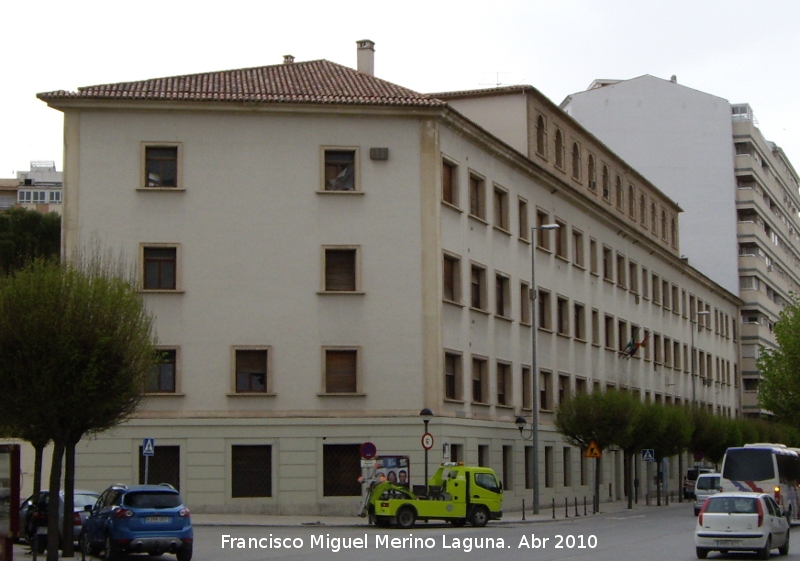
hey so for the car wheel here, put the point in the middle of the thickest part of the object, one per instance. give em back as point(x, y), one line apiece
point(702, 552)
point(784, 549)
point(763, 553)
point(383, 521)
point(406, 517)
point(479, 517)
point(184, 553)
point(109, 553)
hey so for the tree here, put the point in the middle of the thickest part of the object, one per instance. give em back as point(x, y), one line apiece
point(26, 235)
point(76, 347)
point(779, 390)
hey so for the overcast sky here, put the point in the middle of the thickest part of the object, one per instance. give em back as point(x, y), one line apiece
point(743, 51)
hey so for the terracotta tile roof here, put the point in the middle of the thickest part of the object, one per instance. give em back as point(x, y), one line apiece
point(318, 81)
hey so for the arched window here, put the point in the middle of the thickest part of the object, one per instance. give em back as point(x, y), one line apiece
point(643, 209)
point(606, 183)
point(618, 193)
point(559, 149)
point(632, 202)
point(674, 234)
point(541, 137)
point(663, 225)
point(576, 161)
point(654, 218)
point(592, 172)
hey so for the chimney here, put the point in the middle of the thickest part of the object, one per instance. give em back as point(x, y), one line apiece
point(674, 79)
point(288, 59)
point(366, 57)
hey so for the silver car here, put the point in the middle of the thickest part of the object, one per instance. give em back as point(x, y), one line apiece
point(706, 485)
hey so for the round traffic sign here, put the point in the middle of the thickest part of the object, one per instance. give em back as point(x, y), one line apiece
point(368, 450)
point(427, 441)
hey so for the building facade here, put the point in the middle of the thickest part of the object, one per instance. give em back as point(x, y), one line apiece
point(40, 188)
point(327, 253)
point(739, 192)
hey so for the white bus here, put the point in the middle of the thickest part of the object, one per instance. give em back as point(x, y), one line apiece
point(764, 468)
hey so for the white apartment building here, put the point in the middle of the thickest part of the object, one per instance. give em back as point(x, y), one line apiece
point(739, 192)
point(327, 253)
point(40, 188)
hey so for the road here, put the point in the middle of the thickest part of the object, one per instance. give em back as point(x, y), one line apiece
point(654, 534)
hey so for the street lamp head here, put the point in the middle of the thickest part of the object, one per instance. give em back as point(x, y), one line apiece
point(520, 422)
point(703, 313)
point(549, 227)
point(426, 414)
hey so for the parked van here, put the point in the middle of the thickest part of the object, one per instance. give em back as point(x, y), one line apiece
point(707, 484)
point(690, 478)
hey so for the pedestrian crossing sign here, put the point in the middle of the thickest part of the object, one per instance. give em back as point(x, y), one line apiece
point(149, 447)
point(593, 451)
point(648, 455)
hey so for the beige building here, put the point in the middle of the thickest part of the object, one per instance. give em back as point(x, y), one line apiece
point(40, 188)
point(328, 253)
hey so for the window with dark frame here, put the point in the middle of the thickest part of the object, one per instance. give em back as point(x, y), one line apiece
point(162, 376)
point(251, 371)
point(251, 471)
point(502, 296)
point(478, 380)
point(524, 228)
point(160, 267)
point(504, 384)
point(452, 376)
point(477, 196)
point(161, 166)
point(449, 183)
point(478, 287)
point(340, 170)
point(451, 278)
point(341, 470)
point(341, 371)
point(340, 270)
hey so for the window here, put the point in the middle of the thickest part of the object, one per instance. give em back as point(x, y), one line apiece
point(340, 170)
point(645, 279)
point(541, 136)
point(162, 376)
point(593, 256)
point(674, 233)
point(653, 217)
point(164, 466)
point(452, 376)
point(160, 267)
point(657, 350)
point(576, 161)
point(449, 182)
point(667, 352)
point(161, 166)
point(502, 296)
point(656, 285)
point(608, 265)
point(529, 467)
point(251, 471)
point(546, 390)
point(451, 278)
point(609, 331)
point(633, 275)
point(548, 466)
point(341, 269)
point(577, 247)
point(622, 334)
point(504, 384)
point(632, 202)
point(563, 388)
point(478, 287)
point(567, 460)
point(621, 271)
point(479, 380)
point(341, 371)
point(675, 302)
point(643, 210)
point(665, 294)
point(559, 149)
point(524, 227)
point(508, 467)
point(544, 318)
point(251, 370)
point(595, 327)
point(676, 355)
point(561, 240)
point(526, 387)
point(606, 184)
point(54, 196)
point(579, 319)
point(341, 469)
point(483, 456)
point(524, 303)
point(501, 208)
point(591, 173)
point(618, 194)
point(542, 235)
point(663, 225)
point(477, 196)
point(562, 316)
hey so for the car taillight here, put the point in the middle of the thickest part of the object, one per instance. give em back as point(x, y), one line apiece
point(76, 519)
point(123, 513)
point(777, 491)
point(185, 513)
point(760, 513)
point(702, 510)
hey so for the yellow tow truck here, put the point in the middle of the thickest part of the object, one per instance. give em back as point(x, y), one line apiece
point(456, 493)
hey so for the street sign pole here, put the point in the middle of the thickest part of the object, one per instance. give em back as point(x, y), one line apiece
point(148, 449)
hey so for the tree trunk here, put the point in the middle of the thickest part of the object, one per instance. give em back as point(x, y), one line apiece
point(629, 480)
point(53, 502)
point(67, 547)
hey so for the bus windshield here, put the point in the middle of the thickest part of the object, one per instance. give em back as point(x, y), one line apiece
point(748, 464)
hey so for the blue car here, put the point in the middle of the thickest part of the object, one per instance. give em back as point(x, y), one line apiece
point(138, 519)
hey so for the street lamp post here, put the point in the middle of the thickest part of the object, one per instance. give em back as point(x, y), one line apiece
point(693, 322)
point(520, 422)
point(426, 415)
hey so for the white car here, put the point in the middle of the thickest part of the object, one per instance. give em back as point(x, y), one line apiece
point(707, 484)
point(741, 522)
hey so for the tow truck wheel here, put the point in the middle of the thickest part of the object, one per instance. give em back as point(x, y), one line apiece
point(459, 522)
point(479, 517)
point(406, 517)
point(382, 521)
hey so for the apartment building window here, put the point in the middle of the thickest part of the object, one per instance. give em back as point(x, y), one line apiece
point(544, 319)
point(591, 173)
point(502, 296)
point(595, 327)
point(656, 290)
point(452, 376)
point(619, 194)
point(478, 287)
point(477, 196)
point(160, 267)
point(577, 248)
point(622, 334)
point(653, 218)
point(579, 319)
point(504, 384)
point(163, 374)
point(449, 182)
point(561, 240)
point(559, 145)
point(251, 471)
point(580, 386)
point(480, 380)
point(341, 468)
point(667, 352)
point(576, 161)
point(549, 467)
point(633, 275)
point(632, 202)
point(524, 225)
point(676, 355)
point(675, 301)
point(161, 165)
point(645, 283)
point(546, 390)
point(643, 210)
point(593, 256)
point(562, 316)
point(621, 271)
point(341, 269)
point(674, 233)
point(563, 388)
point(251, 370)
point(647, 348)
point(608, 265)
point(665, 294)
point(541, 136)
point(609, 331)
point(606, 184)
point(684, 308)
point(657, 349)
point(542, 235)
point(526, 388)
point(340, 169)
point(525, 303)
point(341, 371)
point(501, 208)
point(451, 278)
point(566, 454)
point(664, 225)
point(31, 197)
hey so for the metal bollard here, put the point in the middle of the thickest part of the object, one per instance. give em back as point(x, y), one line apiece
point(584, 506)
point(523, 509)
point(566, 507)
point(576, 508)
point(554, 508)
